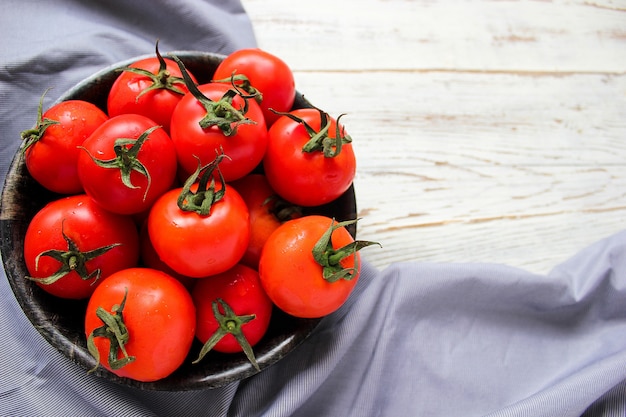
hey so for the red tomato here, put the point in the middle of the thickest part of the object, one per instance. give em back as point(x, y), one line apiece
point(151, 259)
point(245, 144)
point(198, 245)
point(151, 87)
point(267, 73)
point(72, 244)
point(267, 212)
point(51, 147)
point(313, 177)
point(137, 164)
point(245, 325)
point(292, 277)
point(158, 323)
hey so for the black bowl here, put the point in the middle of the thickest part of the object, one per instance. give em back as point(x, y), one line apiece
point(60, 321)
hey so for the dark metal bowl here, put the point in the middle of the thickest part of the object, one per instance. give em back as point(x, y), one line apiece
point(61, 321)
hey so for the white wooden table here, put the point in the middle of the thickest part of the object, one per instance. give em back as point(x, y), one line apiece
point(485, 131)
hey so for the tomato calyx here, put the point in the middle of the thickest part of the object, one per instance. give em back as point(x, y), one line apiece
point(229, 323)
point(221, 113)
point(281, 209)
point(115, 330)
point(319, 140)
point(126, 158)
point(162, 80)
point(330, 258)
point(241, 82)
point(71, 259)
point(205, 195)
point(32, 136)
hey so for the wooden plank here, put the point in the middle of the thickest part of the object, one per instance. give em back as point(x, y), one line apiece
point(528, 36)
point(507, 119)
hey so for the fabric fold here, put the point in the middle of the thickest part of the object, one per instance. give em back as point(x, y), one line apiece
point(416, 339)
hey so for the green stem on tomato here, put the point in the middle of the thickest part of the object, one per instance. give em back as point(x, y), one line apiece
point(162, 80)
point(219, 113)
point(34, 135)
point(281, 209)
point(320, 141)
point(229, 323)
point(330, 258)
point(241, 82)
point(126, 159)
point(71, 259)
point(202, 200)
point(114, 329)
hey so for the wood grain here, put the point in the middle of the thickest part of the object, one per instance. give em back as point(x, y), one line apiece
point(485, 131)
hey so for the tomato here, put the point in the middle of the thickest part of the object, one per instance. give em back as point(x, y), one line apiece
point(72, 244)
point(151, 87)
point(150, 259)
point(51, 147)
point(153, 315)
point(235, 127)
point(205, 233)
point(304, 166)
point(127, 163)
point(267, 212)
point(243, 311)
point(267, 74)
point(310, 265)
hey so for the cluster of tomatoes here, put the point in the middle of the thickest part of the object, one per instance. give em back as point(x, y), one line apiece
point(180, 210)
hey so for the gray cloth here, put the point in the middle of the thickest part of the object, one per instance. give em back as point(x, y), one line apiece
point(415, 339)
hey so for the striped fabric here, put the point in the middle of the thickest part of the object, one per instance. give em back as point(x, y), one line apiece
point(414, 340)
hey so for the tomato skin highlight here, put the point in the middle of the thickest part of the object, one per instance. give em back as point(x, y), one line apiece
point(241, 289)
point(159, 314)
point(198, 246)
point(293, 279)
point(267, 73)
point(90, 227)
point(245, 148)
point(105, 185)
point(306, 179)
point(158, 105)
point(51, 161)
